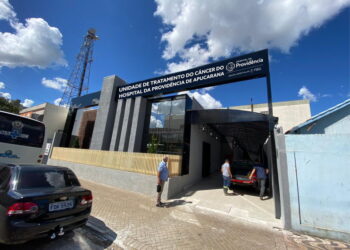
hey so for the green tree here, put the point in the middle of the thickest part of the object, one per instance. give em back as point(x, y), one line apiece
point(12, 106)
point(75, 142)
point(153, 145)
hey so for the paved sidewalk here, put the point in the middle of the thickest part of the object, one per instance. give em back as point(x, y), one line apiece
point(138, 224)
point(208, 194)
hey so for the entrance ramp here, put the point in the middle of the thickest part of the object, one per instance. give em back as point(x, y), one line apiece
point(208, 195)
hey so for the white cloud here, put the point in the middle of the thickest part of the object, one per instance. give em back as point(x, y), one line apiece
point(200, 30)
point(306, 94)
point(57, 83)
point(209, 88)
point(27, 103)
point(2, 85)
point(32, 44)
point(156, 123)
point(205, 90)
point(5, 95)
point(6, 10)
point(204, 99)
point(57, 101)
point(155, 108)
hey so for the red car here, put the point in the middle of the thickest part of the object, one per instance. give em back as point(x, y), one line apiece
point(240, 174)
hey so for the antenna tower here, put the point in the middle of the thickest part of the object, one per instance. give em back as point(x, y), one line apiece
point(79, 78)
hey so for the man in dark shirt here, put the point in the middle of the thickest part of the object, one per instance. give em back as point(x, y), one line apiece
point(261, 176)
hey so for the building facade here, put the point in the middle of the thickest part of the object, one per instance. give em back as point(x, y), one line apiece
point(137, 125)
point(53, 116)
point(289, 114)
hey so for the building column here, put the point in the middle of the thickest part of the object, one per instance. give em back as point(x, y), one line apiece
point(118, 124)
point(126, 125)
point(101, 136)
point(137, 126)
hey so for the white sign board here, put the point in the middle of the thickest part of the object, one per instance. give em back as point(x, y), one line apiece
point(47, 149)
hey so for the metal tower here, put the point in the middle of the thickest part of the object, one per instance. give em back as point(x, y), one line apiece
point(78, 82)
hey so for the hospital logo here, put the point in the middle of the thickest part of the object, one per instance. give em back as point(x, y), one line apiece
point(9, 154)
point(15, 132)
point(16, 129)
point(230, 66)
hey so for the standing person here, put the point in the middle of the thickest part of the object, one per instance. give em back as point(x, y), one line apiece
point(162, 177)
point(261, 175)
point(226, 175)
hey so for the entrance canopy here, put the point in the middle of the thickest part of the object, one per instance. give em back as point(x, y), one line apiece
point(247, 129)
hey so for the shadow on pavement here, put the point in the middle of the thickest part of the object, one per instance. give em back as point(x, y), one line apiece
point(101, 231)
point(214, 181)
point(44, 243)
point(176, 203)
point(95, 235)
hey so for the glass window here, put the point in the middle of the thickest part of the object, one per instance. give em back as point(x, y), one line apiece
point(46, 178)
point(178, 107)
point(20, 130)
point(166, 129)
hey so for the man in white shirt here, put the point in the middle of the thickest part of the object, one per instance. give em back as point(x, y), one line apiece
point(226, 175)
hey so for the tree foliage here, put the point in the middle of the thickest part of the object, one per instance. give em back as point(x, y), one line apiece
point(13, 106)
point(153, 147)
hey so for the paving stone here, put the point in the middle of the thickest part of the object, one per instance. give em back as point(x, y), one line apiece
point(140, 225)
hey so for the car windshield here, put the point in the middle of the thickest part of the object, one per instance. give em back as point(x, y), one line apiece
point(46, 178)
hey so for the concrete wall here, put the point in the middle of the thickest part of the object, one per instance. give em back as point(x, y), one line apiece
point(77, 121)
point(140, 183)
point(318, 184)
point(103, 129)
point(181, 183)
point(289, 114)
point(128, 125)
point(54, 119)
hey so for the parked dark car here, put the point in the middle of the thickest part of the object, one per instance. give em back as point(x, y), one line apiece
point(40, 201)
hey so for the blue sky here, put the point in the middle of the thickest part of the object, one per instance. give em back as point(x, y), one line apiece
point(308, 42)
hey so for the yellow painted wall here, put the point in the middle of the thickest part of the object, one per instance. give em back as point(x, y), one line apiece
point(143, 163)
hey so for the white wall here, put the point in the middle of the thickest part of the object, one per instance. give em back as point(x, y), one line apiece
point(181, 183)
point(77, 121)
point(54, 119)
point(289, 114)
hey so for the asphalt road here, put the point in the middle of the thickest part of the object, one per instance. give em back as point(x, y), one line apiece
point(82, 238)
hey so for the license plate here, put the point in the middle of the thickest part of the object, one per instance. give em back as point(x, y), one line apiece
point(62, 205)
